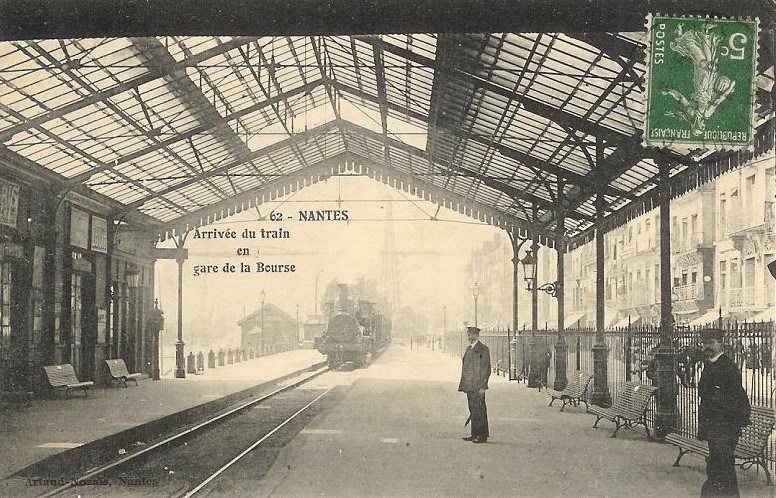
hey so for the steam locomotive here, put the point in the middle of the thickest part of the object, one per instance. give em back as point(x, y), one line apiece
point(356, 332)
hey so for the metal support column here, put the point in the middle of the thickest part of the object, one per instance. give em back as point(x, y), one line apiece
point(180, 360)
point(516, 246)
point(537, 356)
point(561, 347)
point(601, 395)
point(667, 414)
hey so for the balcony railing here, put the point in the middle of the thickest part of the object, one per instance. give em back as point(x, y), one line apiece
point(746, 297)
point(683, 244)
point(689, 292)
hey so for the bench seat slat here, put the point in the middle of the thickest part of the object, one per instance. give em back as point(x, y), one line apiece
point(119, 372)
point(574, 392)
point(63, 376)
point(751, 445)
point(629, 407)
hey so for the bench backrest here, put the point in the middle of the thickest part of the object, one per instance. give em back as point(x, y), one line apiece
point(633, 398)
point(755, 436)
point(578, 382)
point(117, 368)
point(60, 375)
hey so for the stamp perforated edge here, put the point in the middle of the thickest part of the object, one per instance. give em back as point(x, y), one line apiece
point(686, 147)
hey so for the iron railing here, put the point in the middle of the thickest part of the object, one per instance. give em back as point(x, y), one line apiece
point(631, 350)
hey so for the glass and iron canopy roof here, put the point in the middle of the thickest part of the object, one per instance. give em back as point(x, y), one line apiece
point(178, 127)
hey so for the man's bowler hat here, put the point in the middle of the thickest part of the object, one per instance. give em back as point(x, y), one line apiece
point(708, 334)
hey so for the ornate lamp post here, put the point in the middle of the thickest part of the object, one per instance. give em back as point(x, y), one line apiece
point(537, 361)
point(529, 272)
point(262, 296)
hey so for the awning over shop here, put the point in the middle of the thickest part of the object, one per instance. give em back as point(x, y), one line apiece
point(623, 322)
point(768, 315)
point(572, 321)
point(708, 318)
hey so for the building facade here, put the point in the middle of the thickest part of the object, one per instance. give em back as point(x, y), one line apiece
point(76, 280)
point(269, 330)
point(722, 240)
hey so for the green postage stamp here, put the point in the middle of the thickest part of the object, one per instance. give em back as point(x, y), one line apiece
point(700, 82)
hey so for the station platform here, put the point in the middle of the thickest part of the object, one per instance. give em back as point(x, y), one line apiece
point(51, 426)
point(397, 433)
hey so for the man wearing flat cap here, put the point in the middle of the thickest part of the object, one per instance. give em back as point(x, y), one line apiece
point(723, 410)
point(474, 382)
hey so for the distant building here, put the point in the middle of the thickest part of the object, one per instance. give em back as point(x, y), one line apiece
point(312, 327)
point(268, 330)
point(723, 236)
point(745, 241)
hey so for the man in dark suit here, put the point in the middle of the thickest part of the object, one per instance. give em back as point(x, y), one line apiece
point(723, 410)
point(474, 382)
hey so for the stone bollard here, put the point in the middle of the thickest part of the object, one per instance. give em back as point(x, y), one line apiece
point(200, 362)
point(211, 359)
point(191, 367)
point(229, 356)
point(221, 358)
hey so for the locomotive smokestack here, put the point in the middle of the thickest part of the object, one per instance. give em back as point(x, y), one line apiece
point(343, 297)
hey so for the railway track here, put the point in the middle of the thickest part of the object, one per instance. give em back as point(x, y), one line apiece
point(198, 460)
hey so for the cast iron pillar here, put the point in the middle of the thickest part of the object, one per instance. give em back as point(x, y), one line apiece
point(180, 361)
point(513, 236)
point(666, 414)
point(561, 347)
point(601, 395)
point(537, 356)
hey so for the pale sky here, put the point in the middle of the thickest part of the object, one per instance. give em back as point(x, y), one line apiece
point(430, 255)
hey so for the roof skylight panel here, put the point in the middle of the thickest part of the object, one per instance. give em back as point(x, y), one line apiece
point(244, 177)
point(105, 182)
point(162, 169)
point(194, 197)
point(221, 181)
point(422, 44)
point(160, 211)
point(259, 137)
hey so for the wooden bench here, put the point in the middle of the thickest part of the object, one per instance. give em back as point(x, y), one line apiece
point(751, 445)
point(629, 409)
point(119, 372)
point(63, 377)
point(574, 391)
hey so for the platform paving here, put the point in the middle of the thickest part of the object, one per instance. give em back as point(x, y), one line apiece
point(397, 433)
point(51, 426)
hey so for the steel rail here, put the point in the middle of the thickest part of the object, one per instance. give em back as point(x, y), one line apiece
point(191, 430)
point(253, 446)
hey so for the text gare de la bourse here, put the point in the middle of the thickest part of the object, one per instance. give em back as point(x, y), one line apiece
point(261, 233)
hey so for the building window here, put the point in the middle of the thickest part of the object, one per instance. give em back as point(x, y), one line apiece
point(5, 309)
point(735, 274)
point(75, 309)
point(749, 272)
point(770, 283)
